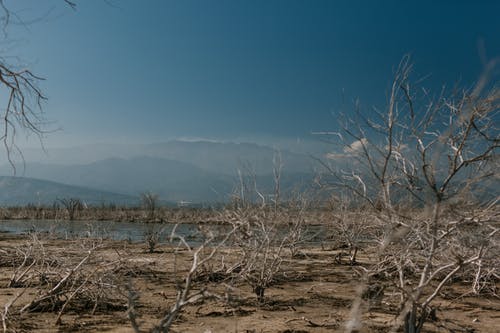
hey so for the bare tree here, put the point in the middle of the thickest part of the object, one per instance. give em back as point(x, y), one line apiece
point(277, 168)
point(411, 163)
point(247, 191)
point(72, 206)
point(22, 110)
point(150, 203)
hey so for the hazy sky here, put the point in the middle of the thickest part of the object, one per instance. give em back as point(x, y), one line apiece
point(158, 69)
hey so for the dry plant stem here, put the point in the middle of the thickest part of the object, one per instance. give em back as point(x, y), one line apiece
point(131, 312)
point(34, 252)
point(277, 168)
point(184, 296)
point(17, 278)
point(7, 306)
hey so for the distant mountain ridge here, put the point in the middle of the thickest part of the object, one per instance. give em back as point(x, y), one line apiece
point(178, 171)
point(19, 191)
point(172, 180)
point(197, 172)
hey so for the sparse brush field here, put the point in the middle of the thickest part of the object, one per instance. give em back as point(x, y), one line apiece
point(391, 224)
point(248, 277)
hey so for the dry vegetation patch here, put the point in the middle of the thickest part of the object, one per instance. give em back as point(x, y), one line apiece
point(85, 285)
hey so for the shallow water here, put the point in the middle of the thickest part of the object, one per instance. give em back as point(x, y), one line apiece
point(131, 231)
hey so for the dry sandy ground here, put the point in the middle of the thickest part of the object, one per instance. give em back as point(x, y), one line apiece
point(312, 294)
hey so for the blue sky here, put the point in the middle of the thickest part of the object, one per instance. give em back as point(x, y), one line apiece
point(148, 71)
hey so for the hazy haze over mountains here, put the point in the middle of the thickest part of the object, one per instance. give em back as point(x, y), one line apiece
point(217, 156)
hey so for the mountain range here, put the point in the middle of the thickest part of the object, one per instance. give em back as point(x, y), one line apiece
point(20, 191)
point(177, 171)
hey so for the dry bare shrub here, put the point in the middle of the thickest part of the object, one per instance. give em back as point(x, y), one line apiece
point(78, 280)
point(294, 227)
point(188, 292)
point(352, 228)
point(152, 237)
point(476, 230)
point(261, 238)
point(30, 261)
point(86, 282)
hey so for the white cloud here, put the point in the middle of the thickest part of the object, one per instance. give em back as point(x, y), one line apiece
point(356, 147)
point(197, 139)
point(334, 156)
